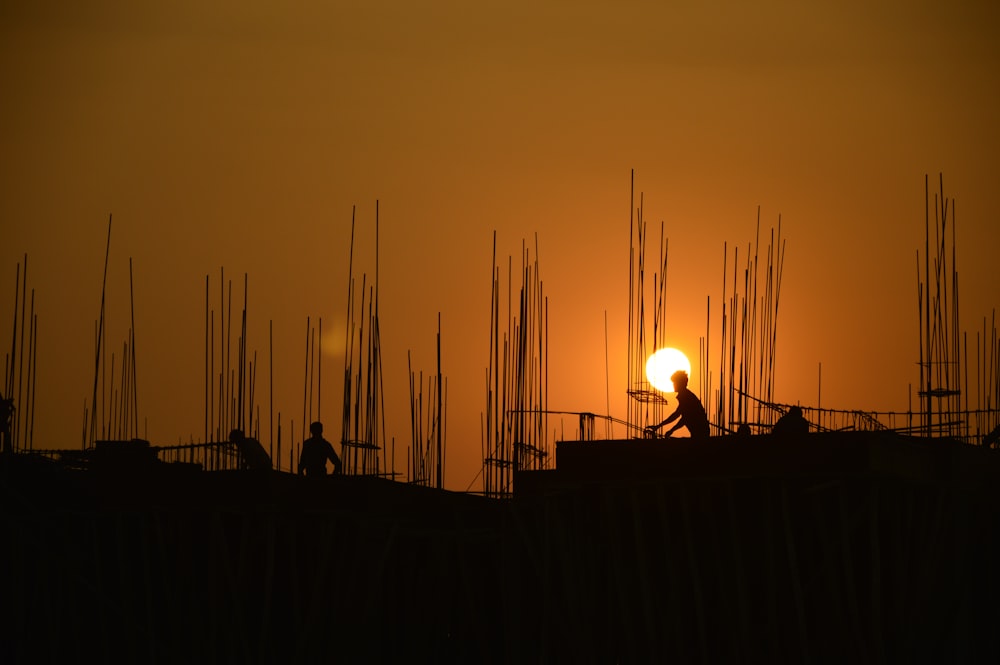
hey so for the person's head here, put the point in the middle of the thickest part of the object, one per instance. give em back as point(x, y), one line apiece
point(680, 379)
point(795, 411)
point(316, 429)
point(236, 435)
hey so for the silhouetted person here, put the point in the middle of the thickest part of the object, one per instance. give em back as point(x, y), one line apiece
point(689, 412)
point(743, 431)
point(315, 452)
point(6, 412)
point(254, 455)
point(791, 423)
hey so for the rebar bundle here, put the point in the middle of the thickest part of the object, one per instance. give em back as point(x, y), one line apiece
point(514, 425)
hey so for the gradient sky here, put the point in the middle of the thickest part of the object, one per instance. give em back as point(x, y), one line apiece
point(238, 136)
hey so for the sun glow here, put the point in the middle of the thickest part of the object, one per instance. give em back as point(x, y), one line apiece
point(662, 364)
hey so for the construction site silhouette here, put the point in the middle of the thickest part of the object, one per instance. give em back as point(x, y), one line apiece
point(775, 533)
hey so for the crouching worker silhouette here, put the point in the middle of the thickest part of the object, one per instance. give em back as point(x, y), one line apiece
point(315, 452)
point(6, 412)
point(792, 423)
point(253, 455)
point(689, 412)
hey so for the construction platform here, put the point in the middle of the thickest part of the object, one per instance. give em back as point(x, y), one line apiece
point(816, 455)
point(850, 547)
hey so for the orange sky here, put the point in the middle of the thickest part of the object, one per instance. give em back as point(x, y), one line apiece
point(240, 135)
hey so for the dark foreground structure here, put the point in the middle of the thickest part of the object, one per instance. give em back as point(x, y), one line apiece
point(827, 548)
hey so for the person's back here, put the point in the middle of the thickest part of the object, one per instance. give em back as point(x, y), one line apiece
point(793, 422)
point(693, 414)
point(6, 413)
point(255, 458)
point(689, 412)
point(315, 452)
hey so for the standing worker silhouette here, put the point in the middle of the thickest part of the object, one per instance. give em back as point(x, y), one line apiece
point(315, 452)
point(689, 412)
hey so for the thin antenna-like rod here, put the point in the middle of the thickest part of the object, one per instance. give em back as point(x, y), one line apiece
point(20, 362)
point(732, 332)
point(920, 331)
point(706, 387)
point(270, 390)
point(819, 388)
point(211, 381)
point(241, 424)
point(9, 442)
point(722, 356)
point(631, 290)
point(497, 394)
point(955, 319)
point(777, 298)
point(208, 370)
point(440, 440)
point(357, 380)
point(377, 413)
point(926, 370)
point(311, 370)
point(222, 352)
point(305, 382)
point(607, 376)
point(414, 425)
point(228, 420)
point(348, 344)
point(100, 332)
point(319, 370)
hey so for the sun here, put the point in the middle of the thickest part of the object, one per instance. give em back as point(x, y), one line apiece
point(662, 364)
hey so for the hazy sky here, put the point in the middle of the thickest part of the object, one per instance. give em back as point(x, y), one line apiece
point(238, 136)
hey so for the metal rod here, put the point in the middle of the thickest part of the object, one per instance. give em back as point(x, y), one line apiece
point(100, 331)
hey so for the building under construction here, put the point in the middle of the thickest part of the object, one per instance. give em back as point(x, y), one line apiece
point(834, 547)
point(869, 539)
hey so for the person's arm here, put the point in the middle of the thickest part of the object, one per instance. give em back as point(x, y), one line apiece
point(678, 413)
point(669, 419)
point(331, 455)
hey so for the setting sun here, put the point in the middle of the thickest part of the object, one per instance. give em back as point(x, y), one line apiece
point(662, 364)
